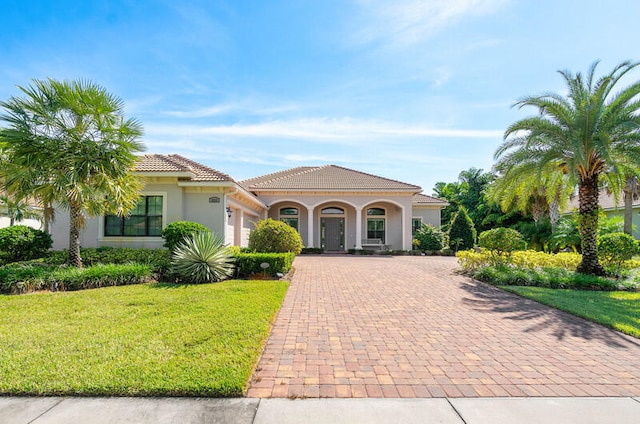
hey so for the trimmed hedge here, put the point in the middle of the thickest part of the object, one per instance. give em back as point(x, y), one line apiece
point(158, 259)
point(29, 276)
point(555, 278)
point(21, 243)
point(249, 263)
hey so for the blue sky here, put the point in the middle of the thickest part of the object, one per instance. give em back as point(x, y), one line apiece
point(411, 90)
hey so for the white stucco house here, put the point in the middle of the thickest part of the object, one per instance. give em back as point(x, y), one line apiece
point(332, 207)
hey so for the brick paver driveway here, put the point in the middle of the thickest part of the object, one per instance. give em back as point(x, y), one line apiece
point(410, 327)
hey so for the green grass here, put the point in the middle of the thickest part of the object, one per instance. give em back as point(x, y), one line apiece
point(151, 339)
point(616, 309)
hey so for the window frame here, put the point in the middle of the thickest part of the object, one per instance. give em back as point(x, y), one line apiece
point(374, 215)
point(147, 216)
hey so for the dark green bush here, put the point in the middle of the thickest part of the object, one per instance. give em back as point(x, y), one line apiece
point(249, 263)
point(176, 232)
point(615, 248)
point(31, 276)
point(21, 243)
point(462, 232)
point(312, 251)
point(158, 259)
point(430, 238)
point(271, 236)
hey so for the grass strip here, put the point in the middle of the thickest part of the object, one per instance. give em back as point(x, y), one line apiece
point(619, 310)
point(150, 339)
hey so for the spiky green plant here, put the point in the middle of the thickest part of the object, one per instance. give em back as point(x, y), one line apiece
point(202, 258)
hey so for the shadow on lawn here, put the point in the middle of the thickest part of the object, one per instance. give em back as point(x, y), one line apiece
point(486, 298)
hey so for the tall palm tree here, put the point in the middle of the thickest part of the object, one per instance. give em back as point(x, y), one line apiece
point(587, 133)
point(68, 143)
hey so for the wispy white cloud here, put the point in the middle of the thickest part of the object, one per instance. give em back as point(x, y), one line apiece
point(331, 130)
point(408, 22)
point(246, 107)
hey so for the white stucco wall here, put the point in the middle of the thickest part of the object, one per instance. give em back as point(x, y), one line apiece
point(429, 214)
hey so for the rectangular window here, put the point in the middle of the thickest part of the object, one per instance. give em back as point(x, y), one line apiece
point(292, 222)
point(145, 220)
point(375, 228)
point(416, 223)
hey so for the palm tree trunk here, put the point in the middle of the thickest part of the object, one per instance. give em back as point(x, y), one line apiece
point(74, 235)
point(554, 212)
point(628, 212)
point(588, 210)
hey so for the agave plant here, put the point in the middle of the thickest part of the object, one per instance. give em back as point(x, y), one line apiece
point(202, 258)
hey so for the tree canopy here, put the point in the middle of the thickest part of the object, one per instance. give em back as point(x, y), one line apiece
point(69, 143)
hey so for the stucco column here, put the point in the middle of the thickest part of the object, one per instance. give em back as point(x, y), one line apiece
point(358, 227)
point(238, 227)
point(310, 228)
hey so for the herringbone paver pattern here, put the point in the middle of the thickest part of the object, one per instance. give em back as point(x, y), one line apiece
point(410, 327)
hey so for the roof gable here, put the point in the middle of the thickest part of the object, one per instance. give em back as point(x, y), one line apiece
point(157, 163)
point(327, 177)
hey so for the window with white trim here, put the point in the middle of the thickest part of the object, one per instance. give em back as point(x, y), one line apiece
point(376, 223)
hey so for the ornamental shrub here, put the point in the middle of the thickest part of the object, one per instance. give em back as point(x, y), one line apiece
point(462, 232)
point(249, 263)
point(429, 238)
point(202, 258)
point(270, 236)
point(21, 243)
point(615, 248)
point(178, 231)
point(501, 242)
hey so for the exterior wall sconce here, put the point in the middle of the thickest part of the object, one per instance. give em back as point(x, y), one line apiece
point(229, 212)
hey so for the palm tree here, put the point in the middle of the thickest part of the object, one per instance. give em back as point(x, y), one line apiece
point(18, 209)
point(68, 143)
point(586, 134)
point(526, 189)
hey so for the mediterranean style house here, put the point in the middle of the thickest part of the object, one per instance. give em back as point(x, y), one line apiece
point(332, 207)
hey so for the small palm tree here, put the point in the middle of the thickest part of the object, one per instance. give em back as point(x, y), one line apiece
point(586, 133)
point(69, 144)
point(18, 209)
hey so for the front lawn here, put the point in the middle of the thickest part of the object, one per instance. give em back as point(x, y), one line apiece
point(151, 339)
point(616, 309)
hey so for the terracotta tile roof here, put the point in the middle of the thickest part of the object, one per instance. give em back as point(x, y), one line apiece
point(423, 199)
point(327, 177)
point(176, 163)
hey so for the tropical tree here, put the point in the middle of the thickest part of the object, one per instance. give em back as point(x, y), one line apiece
point(591, 134)
point(68, 143)
point(18, 209)
point(526, 189)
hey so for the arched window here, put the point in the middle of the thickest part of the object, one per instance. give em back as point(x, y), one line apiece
point(333, 211)
point(376, 211)
point(290, 217)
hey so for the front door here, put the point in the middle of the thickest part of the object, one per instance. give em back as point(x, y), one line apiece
point(332, 233)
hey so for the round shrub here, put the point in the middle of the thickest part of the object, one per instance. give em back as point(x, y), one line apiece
point(178, 231)
point(615, 248)
point(502, 240)
point(202, 258)
point(270, 236)
point(430, 238)
point(21, 243)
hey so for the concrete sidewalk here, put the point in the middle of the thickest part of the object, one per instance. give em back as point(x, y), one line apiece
point(59, 410)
